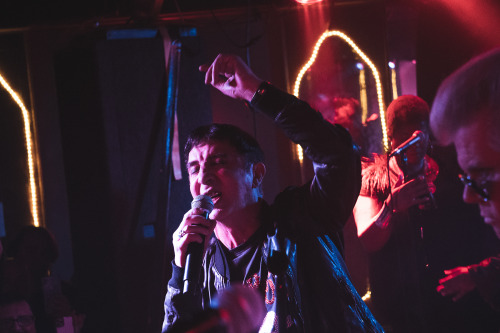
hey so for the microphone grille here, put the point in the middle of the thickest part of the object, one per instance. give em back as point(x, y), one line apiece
point(203, 202)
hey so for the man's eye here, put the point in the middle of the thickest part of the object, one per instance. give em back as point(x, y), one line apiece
point(482, 182)
point(485, 177)
point(193, 170)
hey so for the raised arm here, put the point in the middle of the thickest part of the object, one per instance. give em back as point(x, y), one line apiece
point(332, 193)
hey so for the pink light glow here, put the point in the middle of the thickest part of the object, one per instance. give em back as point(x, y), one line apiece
point(480, 18)
point(307, 2)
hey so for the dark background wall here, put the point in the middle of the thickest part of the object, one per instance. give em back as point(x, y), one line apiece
point(101, 121)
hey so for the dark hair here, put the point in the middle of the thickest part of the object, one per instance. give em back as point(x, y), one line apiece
point(7, 298)
point(244, 143)
point(406, 110)
point(46, 242)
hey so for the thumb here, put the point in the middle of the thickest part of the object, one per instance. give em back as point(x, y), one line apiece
point(203, 68)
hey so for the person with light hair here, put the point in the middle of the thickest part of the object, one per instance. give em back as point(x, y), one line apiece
point(466, 113)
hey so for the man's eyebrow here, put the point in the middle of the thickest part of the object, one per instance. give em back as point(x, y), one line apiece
point(209, 158)
point(479, 169)
point(217, 155)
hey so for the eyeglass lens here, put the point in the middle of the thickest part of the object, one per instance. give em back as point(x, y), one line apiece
point(468, 181)
point(22, 321)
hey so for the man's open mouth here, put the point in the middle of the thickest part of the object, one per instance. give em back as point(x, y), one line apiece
point(214, 195)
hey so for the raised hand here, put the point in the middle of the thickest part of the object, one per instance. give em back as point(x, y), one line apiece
point(411, 193)
point(231, 76)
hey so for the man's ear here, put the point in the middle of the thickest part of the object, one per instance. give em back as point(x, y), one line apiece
point(259, 171)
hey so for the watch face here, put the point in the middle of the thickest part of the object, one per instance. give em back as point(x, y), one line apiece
point(258, 94)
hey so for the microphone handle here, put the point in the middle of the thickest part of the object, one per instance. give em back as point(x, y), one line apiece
point(192, 269)
point(194, 259)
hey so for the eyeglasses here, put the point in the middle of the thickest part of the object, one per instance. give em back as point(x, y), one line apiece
point(22, 321)
point(480, 190)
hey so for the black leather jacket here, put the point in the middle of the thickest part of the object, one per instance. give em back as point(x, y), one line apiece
point(301, 249)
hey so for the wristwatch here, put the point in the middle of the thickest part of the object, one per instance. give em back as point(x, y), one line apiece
point(259, 93)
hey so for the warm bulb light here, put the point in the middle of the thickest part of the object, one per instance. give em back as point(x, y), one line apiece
point(363, 95)
point(394, 84)
point(29, 149)
point(300, 154)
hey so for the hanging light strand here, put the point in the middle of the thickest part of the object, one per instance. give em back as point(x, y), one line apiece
point(362, 55)
point(29, 149)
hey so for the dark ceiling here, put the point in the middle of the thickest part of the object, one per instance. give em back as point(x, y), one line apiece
point(16, 14)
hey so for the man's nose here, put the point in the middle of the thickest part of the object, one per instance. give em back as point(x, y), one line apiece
point(18, 328)
point(205, 175)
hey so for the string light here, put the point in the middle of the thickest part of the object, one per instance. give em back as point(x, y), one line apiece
point(29, 149)
point(392, 67)
point(362, 55)
point(363, 98)
point(300, 153)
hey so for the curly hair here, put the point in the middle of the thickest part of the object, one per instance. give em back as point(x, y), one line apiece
point(406, 110)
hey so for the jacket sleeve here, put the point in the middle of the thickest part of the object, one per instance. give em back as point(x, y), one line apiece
point(179, 307)
point(333, 191)
point(486, 276)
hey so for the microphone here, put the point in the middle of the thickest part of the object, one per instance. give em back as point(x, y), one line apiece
point(415, 137)
point(236, 309)
point(194, 256)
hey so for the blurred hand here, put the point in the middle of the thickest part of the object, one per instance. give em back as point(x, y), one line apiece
point(456, 284)
point(230, 75)
point(411, 193)
point(192, 229)
point(244, 307)
point(78, 321)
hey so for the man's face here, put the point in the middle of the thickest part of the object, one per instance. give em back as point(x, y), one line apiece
point(16, 318)
point(416, 153)
point(343, 115)
point(218, 170)
point(478, 160)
